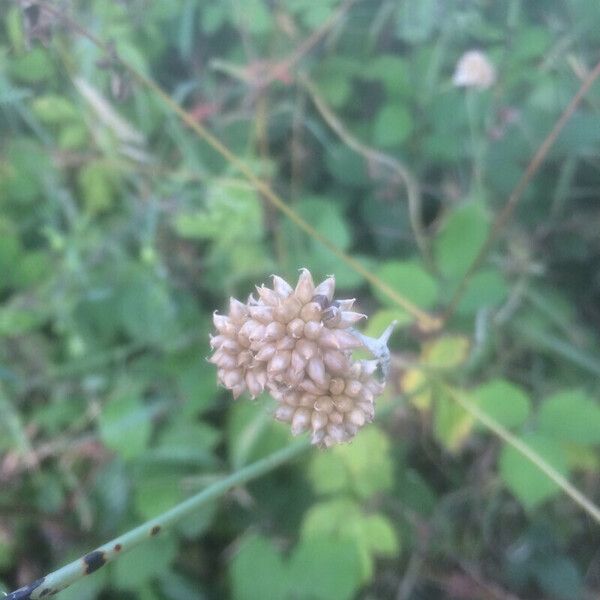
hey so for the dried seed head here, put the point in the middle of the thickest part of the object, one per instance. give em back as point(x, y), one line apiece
point(297, 343)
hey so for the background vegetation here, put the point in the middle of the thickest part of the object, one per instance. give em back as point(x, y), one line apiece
point(121, 231)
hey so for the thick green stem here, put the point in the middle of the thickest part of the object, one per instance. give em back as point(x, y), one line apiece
point(65, 576)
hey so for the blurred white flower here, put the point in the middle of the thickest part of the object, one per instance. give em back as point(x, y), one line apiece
point(474, 69)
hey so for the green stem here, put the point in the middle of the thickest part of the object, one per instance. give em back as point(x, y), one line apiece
point(69, 574)
point(568, 488)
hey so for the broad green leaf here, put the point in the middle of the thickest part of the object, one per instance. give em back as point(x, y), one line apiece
point(486, 288)
point(393, 125)
point(328, 219)
point(409, 279)
point(416, 20)
point(157, 491)
point(504, 401)
point(447, 352)
point(572, 416)
point(460, 239)
point(53, 109)
point(381, 536)
point(363, 467)
point(33, 66)
point(323, 568)
point(125, 424)
point(145, 307)
point(343, 519)
point(257, 571)
point(98, 186)
point(145, 562)
point(530, 485)
point(255, 17)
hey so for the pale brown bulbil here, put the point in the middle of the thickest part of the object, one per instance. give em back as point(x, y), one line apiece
point(296, 343)
point(335, 410)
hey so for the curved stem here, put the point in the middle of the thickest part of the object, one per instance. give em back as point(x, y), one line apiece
point(413, 192)
point(69, 574)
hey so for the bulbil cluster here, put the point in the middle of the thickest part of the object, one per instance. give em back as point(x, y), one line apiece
point(296, 343)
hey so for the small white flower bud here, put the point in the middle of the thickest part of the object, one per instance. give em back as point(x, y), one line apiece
point(295, 328)
point(312, 330)
point(300, 421)
point(274, 331)
point(316, 371)
point(281, 287)
point(279, 362)
point(305, 287)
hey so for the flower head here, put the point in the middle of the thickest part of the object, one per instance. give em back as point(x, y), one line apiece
point(296, 342)
point(475, 70)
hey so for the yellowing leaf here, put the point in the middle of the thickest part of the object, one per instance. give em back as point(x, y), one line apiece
point(414, 383)
point(451, 423)
point(446, 352)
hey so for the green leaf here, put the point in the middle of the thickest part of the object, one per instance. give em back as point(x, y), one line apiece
point(505, 402)
point(125, 424)
point(363, 467)
point(446, 352)
point(485, 289)
point(416, 20)
point(144, 563)
point(156, 491)
point(410, 279)
point(343, 519)
point(393, 125)
point(460, 239)
point(257, 571)
point(53, 109)
point(328, 219)
point(97, 185)
point(255, 18)
point(530, 485)
point(32, 67)
point(381, 536)
point(571, 416)
point(323, 568)
point(145, 307)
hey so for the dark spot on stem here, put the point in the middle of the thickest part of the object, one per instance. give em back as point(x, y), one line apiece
point(118, 547)
point(25, 592)
point(93, 561)
point(47, 592)
point(155, 530)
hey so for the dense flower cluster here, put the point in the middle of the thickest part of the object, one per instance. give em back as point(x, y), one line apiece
point(296, 343)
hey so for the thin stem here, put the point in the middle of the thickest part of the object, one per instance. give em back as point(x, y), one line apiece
point(373, 155)
point(578, 497)
point(69, 574)
point(517, 193)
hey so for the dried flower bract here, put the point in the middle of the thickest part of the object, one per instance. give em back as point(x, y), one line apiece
point(296, 343)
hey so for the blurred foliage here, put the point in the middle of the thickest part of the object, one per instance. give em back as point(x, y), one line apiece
point(121, 232)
